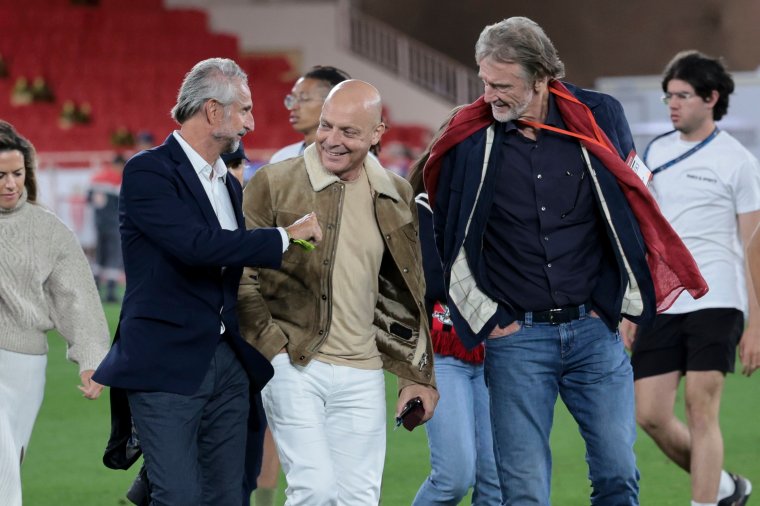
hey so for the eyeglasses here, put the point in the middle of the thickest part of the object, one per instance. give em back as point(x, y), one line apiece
point(291, 101)
point(680, 95)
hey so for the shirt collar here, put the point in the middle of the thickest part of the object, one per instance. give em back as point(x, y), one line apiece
point(201, 166)
point(553, 117)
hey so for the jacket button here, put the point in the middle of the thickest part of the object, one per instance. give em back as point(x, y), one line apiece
point(388, 237)
point(329, 226)
point(301, 357)
point(321, 332)
point(325, 262)
point(324, 297)
point(406, 270)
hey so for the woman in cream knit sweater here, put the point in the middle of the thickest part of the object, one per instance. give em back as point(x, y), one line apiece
point(46, 283)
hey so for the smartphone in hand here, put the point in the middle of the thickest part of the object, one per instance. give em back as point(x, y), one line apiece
point(411, 415)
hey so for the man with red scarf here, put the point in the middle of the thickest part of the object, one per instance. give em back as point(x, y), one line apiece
point(547, 238)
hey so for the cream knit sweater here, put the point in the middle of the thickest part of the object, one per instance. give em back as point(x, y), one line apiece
point(46, 283)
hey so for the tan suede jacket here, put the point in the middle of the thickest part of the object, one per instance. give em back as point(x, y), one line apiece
point(291, 307)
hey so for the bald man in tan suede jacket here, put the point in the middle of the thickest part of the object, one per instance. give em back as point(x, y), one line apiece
point(333, 318)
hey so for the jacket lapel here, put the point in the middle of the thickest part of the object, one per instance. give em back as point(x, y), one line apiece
point(235, 199)
point(190, 177)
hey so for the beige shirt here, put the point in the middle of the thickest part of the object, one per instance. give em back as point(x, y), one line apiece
point(359, 252)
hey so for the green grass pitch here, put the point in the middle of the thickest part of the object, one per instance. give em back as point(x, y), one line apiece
point(63, 466)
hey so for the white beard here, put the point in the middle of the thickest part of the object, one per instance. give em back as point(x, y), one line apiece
point(514, 112)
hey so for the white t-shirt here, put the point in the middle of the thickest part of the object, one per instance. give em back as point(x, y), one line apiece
point(701, 197)
point(289, 151)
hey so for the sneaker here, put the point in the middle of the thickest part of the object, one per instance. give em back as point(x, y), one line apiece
point(741, 492)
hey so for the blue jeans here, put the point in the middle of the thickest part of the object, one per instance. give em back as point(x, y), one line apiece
point(585, 363)
point(459, 435)
point(194, 445)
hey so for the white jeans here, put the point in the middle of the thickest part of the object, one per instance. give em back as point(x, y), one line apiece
point(22, 386)
point(329, 425)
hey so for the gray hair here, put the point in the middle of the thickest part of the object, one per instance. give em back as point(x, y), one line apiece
point(520, 40)
point(215, 78)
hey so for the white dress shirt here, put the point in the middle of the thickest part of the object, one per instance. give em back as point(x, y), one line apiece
point(215, 186)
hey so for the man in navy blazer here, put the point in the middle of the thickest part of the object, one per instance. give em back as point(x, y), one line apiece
point(177, 353)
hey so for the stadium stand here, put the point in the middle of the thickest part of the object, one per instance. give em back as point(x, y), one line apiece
point(120, 58)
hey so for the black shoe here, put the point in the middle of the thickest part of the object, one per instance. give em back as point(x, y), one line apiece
point(139, 491)
point(741, 494)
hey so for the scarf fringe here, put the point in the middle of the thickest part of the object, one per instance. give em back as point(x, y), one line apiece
point(449, 344)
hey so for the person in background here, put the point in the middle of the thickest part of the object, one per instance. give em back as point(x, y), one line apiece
point(545, 235)
point(708, 186)
point(41, 91)
point(177, 357)
point(305, 105)
point(144, 140)
point(459, 435)
point(21, 93)
point(235, 163)
point(47, 284)
point(103, 197)
point(326, 402)
point(751, 358)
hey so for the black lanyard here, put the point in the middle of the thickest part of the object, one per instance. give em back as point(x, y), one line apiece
point(687, 154)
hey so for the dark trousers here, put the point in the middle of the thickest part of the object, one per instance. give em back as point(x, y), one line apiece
point(257, 424)
point(194, 445)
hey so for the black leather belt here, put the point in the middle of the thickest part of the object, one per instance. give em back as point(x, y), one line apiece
point(556, 316)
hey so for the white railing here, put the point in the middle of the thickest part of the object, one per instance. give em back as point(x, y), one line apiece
point(407, 58)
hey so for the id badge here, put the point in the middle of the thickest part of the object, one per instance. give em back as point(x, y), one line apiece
point(639, 167)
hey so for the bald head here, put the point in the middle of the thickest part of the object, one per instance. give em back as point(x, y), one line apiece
point(360, 95)
point(350, 124)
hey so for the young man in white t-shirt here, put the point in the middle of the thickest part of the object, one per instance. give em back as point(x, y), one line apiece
point(708, 186)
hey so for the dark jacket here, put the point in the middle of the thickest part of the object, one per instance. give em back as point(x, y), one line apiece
point(177, 293)
point(462, 206)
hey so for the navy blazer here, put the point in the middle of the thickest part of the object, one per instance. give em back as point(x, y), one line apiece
point(177, 293)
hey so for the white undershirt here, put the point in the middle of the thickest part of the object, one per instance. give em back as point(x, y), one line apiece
point(215, 187)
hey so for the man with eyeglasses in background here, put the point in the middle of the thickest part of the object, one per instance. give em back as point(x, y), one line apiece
point(708, 186)
point(305, 105)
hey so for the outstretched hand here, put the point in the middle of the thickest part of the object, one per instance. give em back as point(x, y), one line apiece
point(306, 228)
